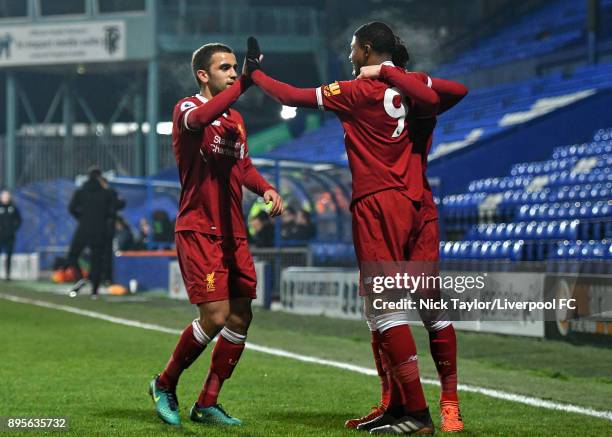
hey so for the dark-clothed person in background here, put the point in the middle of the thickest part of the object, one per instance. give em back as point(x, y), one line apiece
point(162, 227)
point(305, 229)
point(107, 257)
point(10, 220)
point(288, 226)
point(264, 230)
point(124, 238)
point(93, 206)
point(144, 235)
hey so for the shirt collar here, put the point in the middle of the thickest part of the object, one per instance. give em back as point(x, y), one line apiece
point(201, 98)
point(390, 63)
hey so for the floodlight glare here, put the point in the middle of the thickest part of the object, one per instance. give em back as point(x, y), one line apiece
point(288, 112)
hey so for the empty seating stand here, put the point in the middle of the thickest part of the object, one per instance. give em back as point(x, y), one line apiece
point(543, 212)
point(556, 25)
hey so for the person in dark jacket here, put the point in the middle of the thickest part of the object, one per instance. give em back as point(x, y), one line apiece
point(93, 206)
point(124, 238)
point(305, 229)
point(107, 257)
point(10, 220)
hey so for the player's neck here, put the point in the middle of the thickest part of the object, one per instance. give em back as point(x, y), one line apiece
point(205, 92)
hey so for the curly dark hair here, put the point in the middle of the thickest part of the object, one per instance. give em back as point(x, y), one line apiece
point(382, 40)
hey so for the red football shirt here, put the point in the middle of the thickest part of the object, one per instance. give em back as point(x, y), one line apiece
point(379, 136)
point(423, 128)
point(213, 166)
point(450, 93)
point(423, 140)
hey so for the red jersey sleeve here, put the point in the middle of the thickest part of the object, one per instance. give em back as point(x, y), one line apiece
point(339, 96)
point(202, 115)
point(181, 109)
point(252, 179)
point(423, 100)
point(284, 93)
point(449, 92)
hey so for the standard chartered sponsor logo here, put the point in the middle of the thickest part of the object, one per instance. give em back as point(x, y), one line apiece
point(226, 147)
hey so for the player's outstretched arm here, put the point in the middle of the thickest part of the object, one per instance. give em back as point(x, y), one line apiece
point(284, 93)
point(450, 93)
point(424, 99)
point(205, 114)
point(280, 91)
point(256, 183)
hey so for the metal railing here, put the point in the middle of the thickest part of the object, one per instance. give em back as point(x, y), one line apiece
point(45, 158)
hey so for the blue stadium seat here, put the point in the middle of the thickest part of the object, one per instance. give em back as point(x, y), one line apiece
point(568, 229)
point(519, 231)
point(454, 252)
point(463, 251)
point(446, 251)
point(500, 231)
point(530, 230)
point(516, 250)
point(495, 250)
point(475, 247)
point(484, 250)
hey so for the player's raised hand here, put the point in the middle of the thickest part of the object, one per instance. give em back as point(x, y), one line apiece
point(369, 72)
point(277, 202)
point(253, 57)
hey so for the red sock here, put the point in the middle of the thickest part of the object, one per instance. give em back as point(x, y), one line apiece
point(443, 346)
point(225, 356)
point(398, 345)
point(187, 350)
point(385, 396)
point(394, 399)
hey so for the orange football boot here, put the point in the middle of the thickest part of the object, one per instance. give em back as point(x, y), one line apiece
point(377, 410)
point(451, 417)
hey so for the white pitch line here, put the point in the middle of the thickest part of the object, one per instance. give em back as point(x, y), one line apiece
point(498, 394)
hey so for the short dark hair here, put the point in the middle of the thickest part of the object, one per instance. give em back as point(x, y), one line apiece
point(200, 60)
point(383, 40)
point(94, 172)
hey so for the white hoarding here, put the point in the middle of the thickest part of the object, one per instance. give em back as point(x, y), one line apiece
point(103, 41)
point(25, 266)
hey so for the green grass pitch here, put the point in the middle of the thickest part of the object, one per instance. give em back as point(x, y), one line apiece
point(95, 373)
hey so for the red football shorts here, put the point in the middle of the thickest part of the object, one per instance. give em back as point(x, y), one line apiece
point(215, 268)
point(385, 226)
point(427, 243)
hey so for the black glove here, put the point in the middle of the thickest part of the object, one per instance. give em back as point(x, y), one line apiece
point(252, 55)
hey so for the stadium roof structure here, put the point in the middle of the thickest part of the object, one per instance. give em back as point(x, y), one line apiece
point(100, 61)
